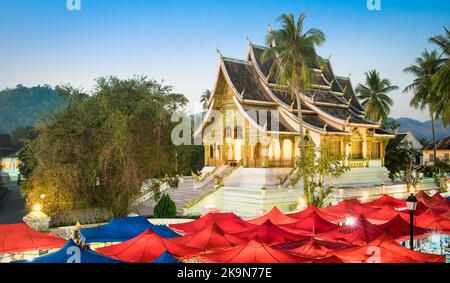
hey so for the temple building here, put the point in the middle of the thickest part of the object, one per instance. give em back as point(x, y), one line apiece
point(252, 122)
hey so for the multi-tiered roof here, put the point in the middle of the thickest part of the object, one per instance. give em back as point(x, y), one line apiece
point(330, 106)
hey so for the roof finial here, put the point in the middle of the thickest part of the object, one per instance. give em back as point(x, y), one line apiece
point(270, 28)
point(219, 53)
point(249, 41)
point(348, 118)
point(325, 127)
point(349, 74)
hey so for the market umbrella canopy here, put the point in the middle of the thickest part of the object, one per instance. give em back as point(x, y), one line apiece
point(382, 215)
point(327, 244)
point(433, 221)
point(311, 249)
point(437, 196)
point(399, 229)
point(254, 251)
point(19, 237)
point(385, 250)
point(146, 247)
point(426, 199)
point(166, 257)
point(313, 224)
point(359, 233)
point(210, 238)
point(305, 213)
point(387, 200)
point(349, 207)
point(228, 222)
point(123, 229)
point(72, 253)
point(275, 216)
point(270, 234)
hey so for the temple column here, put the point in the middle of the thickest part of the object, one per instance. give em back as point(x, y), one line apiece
point(382, 152)
point(252, 154)
point(347, 153)
point(244, 154)
point(281, 142)
point(265, 155)
point(293, 152)
point(207, 153)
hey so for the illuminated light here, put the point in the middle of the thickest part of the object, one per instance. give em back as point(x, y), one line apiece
point(350, 221)
point(42, 196)
point(37, 207)
point(436, 238)
point(366, 194)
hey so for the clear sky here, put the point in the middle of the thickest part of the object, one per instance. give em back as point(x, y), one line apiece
point(42, 42)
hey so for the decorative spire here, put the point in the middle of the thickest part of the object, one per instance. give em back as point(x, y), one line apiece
point(348, 119)
point(219, 53)
point(248, 39)
point(349, 101)
point(325, 127)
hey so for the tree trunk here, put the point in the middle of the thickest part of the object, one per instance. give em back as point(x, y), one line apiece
point(433, 132)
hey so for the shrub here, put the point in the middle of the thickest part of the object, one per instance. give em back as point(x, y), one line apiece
point(165, 208)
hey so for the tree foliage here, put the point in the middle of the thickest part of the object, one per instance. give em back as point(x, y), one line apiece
point(99, 150)
point(165, 208)
point(313, 169)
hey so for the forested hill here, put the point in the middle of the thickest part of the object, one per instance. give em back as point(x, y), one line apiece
point(423, 129)
point(23, 106)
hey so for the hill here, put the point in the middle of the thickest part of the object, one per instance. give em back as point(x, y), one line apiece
point(23, 106)
point(423, 129)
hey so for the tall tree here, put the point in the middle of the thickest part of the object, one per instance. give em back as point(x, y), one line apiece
point(422, 87)
point(441, 79)
point(205, 98)
point(294, 51)
point(374, 96)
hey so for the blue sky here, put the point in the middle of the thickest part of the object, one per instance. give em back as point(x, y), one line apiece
point(42, 42)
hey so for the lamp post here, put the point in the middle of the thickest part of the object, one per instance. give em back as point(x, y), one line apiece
point(411, 203)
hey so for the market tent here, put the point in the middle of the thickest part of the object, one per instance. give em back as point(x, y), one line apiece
point(275, 216)
point(433, 221)
point(123, 229)
point(229, 222)
point(166, 257)
point(327, 244)
point(349, 207)
point(270, 234)
point(426, 199)
point(313, 224)
point(420, 208)
point(437, 196)
point(386, 200)
point(385, 250)
point(19, 237)
point(399, 229)
point(360, 233)
point(305, 213)
point(329, 259)
point(146, 247)
point(210, 238)
point(72, 253)
point(382, 215)
point(254, 251)
point(311, 249)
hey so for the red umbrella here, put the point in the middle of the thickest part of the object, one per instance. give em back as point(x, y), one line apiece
point(329, 259)
point(437, 196)
point(399, 229)
point(382, 215)
point(327, 244)
point(305, 213)
point(229, 222)
point(426, 199)
point(275, 216)
point(270, 234)
point(19, 237)
point(145, 248)
point(311, 249)
point(349, 207)
point(433, 221)
point(313, 223)
point(359, 233)
point(385, 250)
point(210, 238)
point(386, 200)
point(254, 251)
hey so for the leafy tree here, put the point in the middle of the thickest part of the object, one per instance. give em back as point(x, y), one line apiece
point(205, 98)
point(422, 87)
point(391, 125)
point(99, 150)
point(294, 53)
point(375, 101)
point(313, 169)
point(441, 78)
point(400, 159)
point(165, 208)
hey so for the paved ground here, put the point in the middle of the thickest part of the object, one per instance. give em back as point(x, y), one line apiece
point(12, 207)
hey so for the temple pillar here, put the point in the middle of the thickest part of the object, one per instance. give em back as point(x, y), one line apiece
point(347, 153)
point(382, 149)
point(281, 142)
point(244, 154)
point(265, 155)
point(207, 153)
point(293, 152)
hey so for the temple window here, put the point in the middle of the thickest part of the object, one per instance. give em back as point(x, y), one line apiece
point(375, 150)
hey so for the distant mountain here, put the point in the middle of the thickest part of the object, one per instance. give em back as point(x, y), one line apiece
point(23, 106)
point(423, 129)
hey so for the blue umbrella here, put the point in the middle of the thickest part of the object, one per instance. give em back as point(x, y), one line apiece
point(166, 257)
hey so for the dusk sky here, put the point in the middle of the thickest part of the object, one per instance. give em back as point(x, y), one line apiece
point(42, 42)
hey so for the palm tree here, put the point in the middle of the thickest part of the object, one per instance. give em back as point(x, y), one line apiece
point(375, 101)
point(424, 94)
point(441, 79)
point(205, 98)
point(294, 51)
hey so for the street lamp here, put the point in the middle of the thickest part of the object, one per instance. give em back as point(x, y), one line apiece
point(411, 204)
